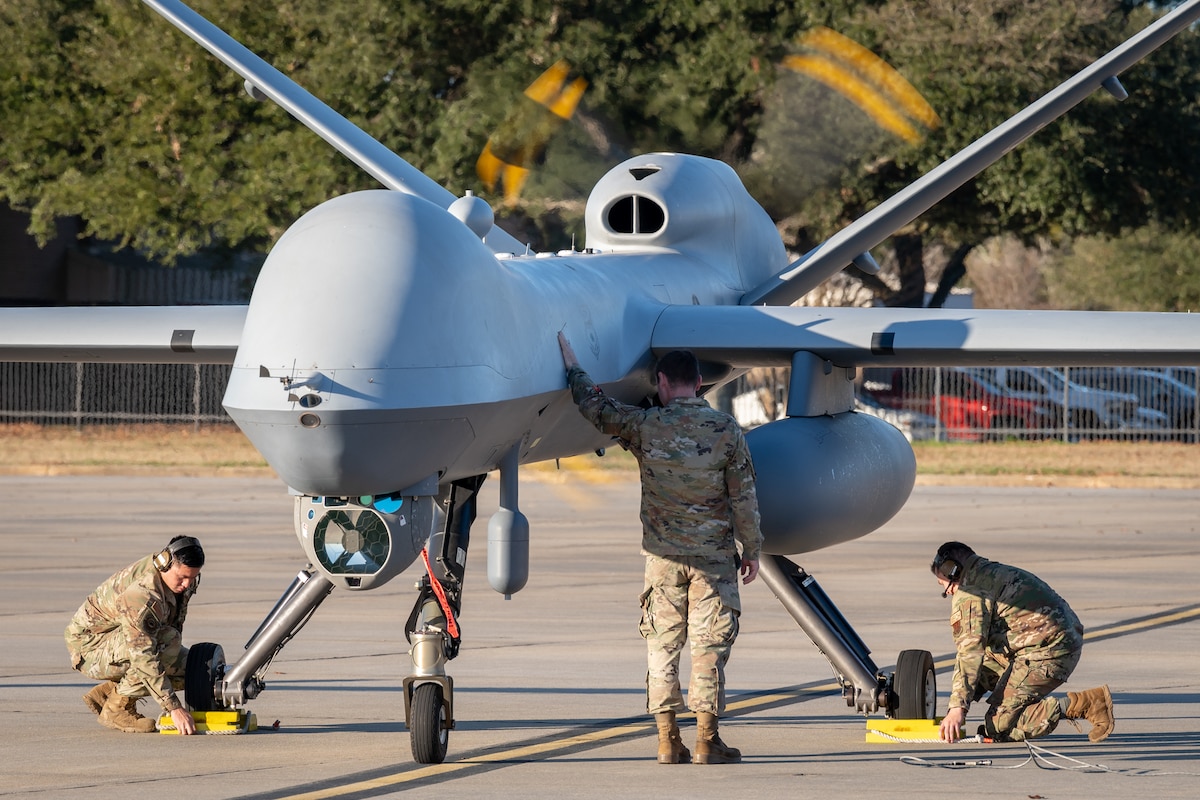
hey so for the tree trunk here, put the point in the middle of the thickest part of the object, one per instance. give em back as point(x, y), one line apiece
point(910, 258)
point(955, 271)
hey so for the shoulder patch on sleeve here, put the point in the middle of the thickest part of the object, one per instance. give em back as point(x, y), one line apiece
point(148, 621)
point(956, 619)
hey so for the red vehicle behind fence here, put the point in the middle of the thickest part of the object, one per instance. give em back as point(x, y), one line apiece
point(966, 406)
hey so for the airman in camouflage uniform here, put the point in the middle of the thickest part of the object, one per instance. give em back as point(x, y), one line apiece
point(1017, 639)
point(128, 635)
point(698, 500)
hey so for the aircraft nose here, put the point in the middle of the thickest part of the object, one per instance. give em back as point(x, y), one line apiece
point(346, 454)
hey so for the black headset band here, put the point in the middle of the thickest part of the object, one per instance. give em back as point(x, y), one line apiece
point(166, 556)
point(183, 543)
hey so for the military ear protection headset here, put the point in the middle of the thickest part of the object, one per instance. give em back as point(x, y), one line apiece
point(166, 557)
point(946, 568)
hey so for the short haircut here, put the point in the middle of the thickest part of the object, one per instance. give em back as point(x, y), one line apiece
point(190, 556)
point(948, 555)
point(680, 368)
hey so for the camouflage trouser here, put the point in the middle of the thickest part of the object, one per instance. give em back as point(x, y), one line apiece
point(688, 598)
point(1020, 706)
point(107, 659)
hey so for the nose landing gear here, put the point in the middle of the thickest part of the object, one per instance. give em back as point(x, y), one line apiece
point(429, 698)
point(433, 630)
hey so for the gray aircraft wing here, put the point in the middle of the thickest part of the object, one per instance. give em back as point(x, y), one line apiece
point(266, 82)
point(751, 336)
point(854, 242)
point(143, 334)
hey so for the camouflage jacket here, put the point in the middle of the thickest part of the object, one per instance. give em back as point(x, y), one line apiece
point(136, 605)
point(1009, 611)
point(698, 492)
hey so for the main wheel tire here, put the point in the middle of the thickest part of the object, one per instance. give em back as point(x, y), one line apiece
point(915, 685)
point(428, 731)
point(205, 666)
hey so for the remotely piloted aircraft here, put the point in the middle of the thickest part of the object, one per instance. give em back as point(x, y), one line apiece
point(399, 347)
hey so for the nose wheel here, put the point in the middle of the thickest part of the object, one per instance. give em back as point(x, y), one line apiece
point(429, 724)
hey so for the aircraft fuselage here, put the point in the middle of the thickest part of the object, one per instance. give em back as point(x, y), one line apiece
point(396, 346)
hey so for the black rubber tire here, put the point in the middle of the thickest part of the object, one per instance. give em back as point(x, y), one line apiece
point(428, 733)
point(915, 685)
point(205, 666)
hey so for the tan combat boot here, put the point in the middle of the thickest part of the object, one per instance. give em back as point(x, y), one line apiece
point(1096, 706)
point(670, 744)
point(94, 699)
point(709, 747)
point(120, 714)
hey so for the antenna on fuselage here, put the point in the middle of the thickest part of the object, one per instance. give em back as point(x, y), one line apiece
point(474, 212)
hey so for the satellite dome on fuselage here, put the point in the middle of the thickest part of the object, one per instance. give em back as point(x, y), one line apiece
point(688, 204)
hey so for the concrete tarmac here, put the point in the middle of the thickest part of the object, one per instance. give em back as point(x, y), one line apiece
point(549, 684)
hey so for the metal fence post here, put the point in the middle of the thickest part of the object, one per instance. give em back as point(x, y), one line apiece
point(195, 397)
point(78, 395)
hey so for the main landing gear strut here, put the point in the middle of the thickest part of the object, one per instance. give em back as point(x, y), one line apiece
point(213, 685)
point(908, 693)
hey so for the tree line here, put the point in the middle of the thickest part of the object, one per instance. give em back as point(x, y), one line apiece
point(110, 115)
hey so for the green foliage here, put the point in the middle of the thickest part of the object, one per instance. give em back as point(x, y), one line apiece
point(1148, 269)
point(980, 61)
point(110, 114)
point(150, 141)
point(1105, 166)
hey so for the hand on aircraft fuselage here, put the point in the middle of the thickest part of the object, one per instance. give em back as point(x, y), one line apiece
point(568, 353)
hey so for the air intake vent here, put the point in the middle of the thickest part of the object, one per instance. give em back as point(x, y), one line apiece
point(636, 214)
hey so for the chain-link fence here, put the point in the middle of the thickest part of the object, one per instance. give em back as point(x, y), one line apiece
point(947, 404)
point(88, 394)
point(997, 403)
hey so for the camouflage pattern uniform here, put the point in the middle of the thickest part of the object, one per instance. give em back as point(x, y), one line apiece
point(130, 631)
point(1017, 639)
point(698, 497)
